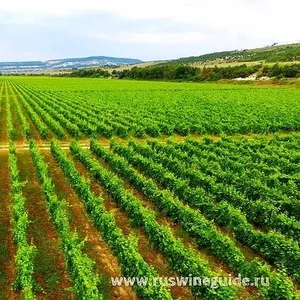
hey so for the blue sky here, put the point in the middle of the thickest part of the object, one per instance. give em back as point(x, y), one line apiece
point(148, 30)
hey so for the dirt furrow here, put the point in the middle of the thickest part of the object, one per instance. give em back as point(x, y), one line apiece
point(107, 265)
point(7, 247)
point(49, 269)
point(151, 255)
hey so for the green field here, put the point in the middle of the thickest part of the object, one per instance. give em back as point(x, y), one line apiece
point(108, 178)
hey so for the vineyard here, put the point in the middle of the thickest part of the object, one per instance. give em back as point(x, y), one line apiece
point(105, 178)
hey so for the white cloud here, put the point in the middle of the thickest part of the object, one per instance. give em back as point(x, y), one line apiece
point(154, 38)
point(188, 26)
point(265, 18)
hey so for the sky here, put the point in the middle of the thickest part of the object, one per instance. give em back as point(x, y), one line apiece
point(147, 30)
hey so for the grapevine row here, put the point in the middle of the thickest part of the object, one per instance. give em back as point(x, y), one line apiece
point(252, 182)
point(23, 121)
point(79, 264)
point(257, 212)
point(60, 117)
point(36, 120)
point(159, 235)
point(25, 252)
point(206, 235)
point(132, 263)
point(53, 125)
point(273, 246)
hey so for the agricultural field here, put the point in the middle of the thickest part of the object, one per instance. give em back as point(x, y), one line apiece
point(103, 179)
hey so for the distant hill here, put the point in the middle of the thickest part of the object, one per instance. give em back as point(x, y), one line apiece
point(274, 61)
point(270, 54)
point(284, 53)
point(65, 64)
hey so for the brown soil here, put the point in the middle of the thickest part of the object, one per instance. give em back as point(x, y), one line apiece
point(249, 254)
point(7, 246)
point(190, 243)
point(151, 255)
point(107, 265)
point(177, 231)
point(121, 218)
point(49, 268)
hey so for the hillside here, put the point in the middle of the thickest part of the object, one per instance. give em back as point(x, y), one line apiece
point(269, 54)
point(275, 61)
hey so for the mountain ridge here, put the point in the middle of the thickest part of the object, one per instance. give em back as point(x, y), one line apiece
point(65, 64)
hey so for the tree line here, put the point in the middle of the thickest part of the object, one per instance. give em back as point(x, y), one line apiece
point(280, 71)
point(188, 73)
point(172, 72)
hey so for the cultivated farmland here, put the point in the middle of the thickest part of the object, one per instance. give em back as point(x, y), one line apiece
point(107, 178)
